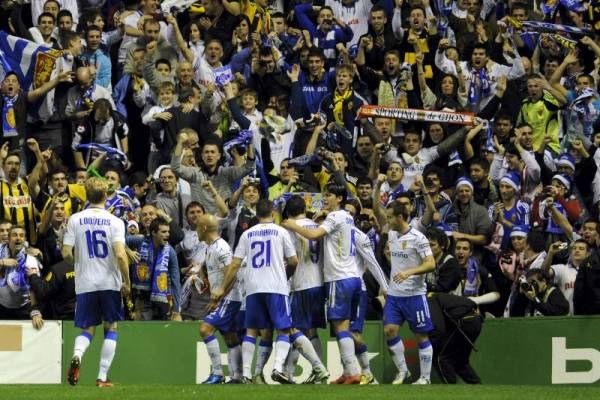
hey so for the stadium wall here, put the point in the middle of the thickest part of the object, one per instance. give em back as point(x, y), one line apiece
point(510, 351)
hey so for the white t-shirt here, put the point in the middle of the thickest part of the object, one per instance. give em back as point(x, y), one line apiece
point(266, 247)
point(193, 250)
point(309, 272)
point(340, 247)
point(355, 16)
point(408, 251)
point(92, 233)
point(12, 296)
point(218, 256)
point(564, 277)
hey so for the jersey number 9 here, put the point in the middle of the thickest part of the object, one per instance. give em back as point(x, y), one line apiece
point(96, 244)
point(262, 254)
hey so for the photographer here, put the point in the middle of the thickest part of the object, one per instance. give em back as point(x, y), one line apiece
point(537, 296)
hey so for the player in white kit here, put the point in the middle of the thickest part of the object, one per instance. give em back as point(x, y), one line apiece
point(95, 242)
point(224, 315)
point(307, 292)
point(366, 260)
point(341, 274)
point(411, 259)
point(270, 259)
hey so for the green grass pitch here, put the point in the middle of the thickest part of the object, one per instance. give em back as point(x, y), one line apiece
point(277, 392)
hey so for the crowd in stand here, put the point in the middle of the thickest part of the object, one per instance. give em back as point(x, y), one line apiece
point(209, 108)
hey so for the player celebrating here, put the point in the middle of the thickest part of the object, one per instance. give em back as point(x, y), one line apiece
point(267, 248)
point(223, 317)
point(411, 258)
point(341, 273)
point(308, 293)
point(366, 260)
point(101, 276)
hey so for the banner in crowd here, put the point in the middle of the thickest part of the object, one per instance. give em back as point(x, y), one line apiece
point(28, 355)
point(411, 114)
point(34, 64)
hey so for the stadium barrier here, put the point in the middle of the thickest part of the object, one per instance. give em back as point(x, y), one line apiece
point(28, 355)
point(510, 351)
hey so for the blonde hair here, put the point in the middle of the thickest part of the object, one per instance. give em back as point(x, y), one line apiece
point(95, 189)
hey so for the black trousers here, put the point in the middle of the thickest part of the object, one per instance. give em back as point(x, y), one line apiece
point(451, 350)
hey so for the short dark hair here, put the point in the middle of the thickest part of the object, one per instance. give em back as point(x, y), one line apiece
point(536, 241)
point(439, 236)
point(338, 191)
point(45, 14)
point(64, 13)
point(587, 245)
point(194, 204)
point(376, 8)
point(92, 28)
point(464, 240)
point(264, 208)
point(66, 37)
point(433, 169)
point(158, 222)
point(356, 204)
point(295, 206)
point(162, 61)
point(316, 52)
point(539, 274)
point(137, 178)
point(482, 162)
point(399, 210)
point(58, 170)
point(277, 14)
point(364, 180)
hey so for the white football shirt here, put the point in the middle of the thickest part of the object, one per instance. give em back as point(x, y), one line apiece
point(92, 233)
point(339, 247)
point(266, 246)
point(367, 260)
point(564, 277)
point(309, 272)
point(408, 251)
point(218, 256)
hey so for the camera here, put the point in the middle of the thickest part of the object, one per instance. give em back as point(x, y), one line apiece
point(526, 286)
point(253, 181)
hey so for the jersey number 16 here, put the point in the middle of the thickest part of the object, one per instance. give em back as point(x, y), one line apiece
point(96, 244)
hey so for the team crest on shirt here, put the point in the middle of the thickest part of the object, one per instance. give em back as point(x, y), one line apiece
point(404, 245)
point(162, 282)
point(513, 218)
point(143, 272)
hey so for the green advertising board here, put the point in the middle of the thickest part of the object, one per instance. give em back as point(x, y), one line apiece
point(510, 351)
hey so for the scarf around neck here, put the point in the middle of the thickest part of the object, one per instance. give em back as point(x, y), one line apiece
point(480, 85)
point(151, 273)
point(9, 117)
point(471, 283)
point(338, 105)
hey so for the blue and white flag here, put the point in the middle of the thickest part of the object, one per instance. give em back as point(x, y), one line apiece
point(34, 65)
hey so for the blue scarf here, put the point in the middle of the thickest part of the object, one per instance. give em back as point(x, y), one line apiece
point(394, 195)
point(152, 272)
point(471, 284)
point(15, 278)
point(160, 276)
point(582, 106)
point(86, 98)
point(140, 272)
point(120, 205)
point(480, 86)
point(9, 118)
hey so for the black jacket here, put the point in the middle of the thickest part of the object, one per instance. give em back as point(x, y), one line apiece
point(58, 289)
point(586, 296)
